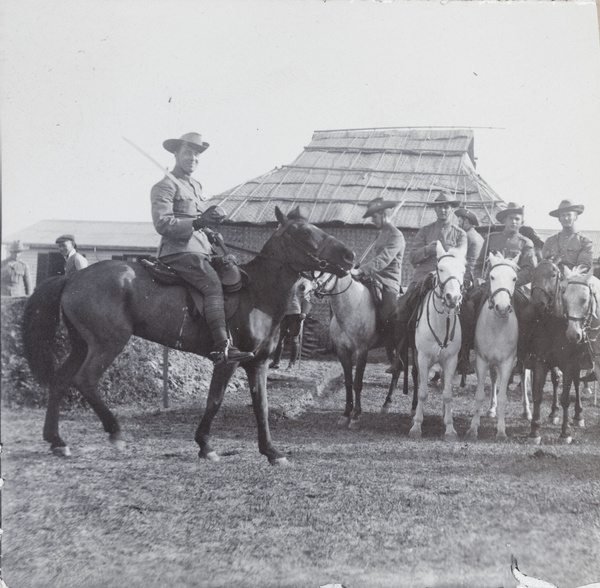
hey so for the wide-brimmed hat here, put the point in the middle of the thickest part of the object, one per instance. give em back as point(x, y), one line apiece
point(66, 237)
point(511, 208)
point(193, 139)
point(377, 205)
point(567, 206)
point(445, 197)
point(16, 246)
point(470, 216)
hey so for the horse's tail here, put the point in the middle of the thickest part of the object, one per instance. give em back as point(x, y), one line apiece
point(40, 323)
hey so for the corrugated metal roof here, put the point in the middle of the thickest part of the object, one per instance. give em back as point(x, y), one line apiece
point(339, 172)
point(108, 234)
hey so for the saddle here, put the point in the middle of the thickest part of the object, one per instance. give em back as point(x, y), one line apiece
point(233, 280)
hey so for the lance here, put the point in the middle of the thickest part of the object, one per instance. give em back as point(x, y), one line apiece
point(185, 189)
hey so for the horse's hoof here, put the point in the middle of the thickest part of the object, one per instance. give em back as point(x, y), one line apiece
point(555, 420)
point(451, 436)
point(491, 413)
point(384, 409)
point(210, 456)
point(472, 434)
point(343, 422)
point(354, 424)
point(118, 444)
point(579, 423)
point(62, 451)
point(280, 461)
point(415, 434)
point(566, 440)
point(534, 440)
point(501, 437)
point(527, 416)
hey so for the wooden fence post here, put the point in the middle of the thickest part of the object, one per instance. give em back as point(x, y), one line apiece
point(165, 377)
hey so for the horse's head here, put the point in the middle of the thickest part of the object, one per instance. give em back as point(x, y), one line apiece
point(305, 247)
point(545, 288)
point(580, 294)
point(503, 279)
point(450, 275)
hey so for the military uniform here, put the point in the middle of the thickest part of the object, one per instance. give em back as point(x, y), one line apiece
point(572, 248)
point(16, 280)
point(509, 246)
point(385, 267)
point(474, 246)
point(423, 254)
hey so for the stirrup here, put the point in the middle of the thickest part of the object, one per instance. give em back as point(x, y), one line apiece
point(230, 354)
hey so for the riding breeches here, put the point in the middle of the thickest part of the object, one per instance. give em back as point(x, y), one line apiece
point(196, 270)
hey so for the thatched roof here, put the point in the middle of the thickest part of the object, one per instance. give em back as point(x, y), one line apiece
point(339, 172)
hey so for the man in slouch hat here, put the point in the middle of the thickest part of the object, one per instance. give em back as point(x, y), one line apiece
point(181, 216)
point(569, 247)
point(382, 272)
point(423, 257)
point(16, 279)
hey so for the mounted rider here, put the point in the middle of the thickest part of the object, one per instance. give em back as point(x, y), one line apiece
point(569, 247)
point(423, 257)
point(181, 216)
point(510, 243)
point(382, 273)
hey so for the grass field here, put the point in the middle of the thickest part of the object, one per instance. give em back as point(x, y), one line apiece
point(364, 509)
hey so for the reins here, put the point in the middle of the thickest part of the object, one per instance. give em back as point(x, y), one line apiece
point(322, 287)
point(281, 232)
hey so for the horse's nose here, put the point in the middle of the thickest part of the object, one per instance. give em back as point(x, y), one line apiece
point(452, 299)
point(349, 257)
point(503, 310)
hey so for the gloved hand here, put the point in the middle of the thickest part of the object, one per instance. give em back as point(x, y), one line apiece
point(302, 316)
point(229, 259)
point(213, 215)
point(356, 273)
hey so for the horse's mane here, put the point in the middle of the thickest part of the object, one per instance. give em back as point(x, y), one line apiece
point(581, 273)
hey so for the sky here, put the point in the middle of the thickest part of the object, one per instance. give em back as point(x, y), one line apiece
point(257, 77)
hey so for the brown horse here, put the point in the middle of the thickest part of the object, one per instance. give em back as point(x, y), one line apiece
point(108, 302)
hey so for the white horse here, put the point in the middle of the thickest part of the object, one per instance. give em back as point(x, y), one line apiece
point(581, 304)
point(496, 336)
point(438, 334)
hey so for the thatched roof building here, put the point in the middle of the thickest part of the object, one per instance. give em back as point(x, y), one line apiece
point(340, 171)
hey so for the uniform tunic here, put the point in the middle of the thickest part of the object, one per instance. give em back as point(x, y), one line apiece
point(474, 245)
point(423, 255)
point(386, 264)
point(572, 248)
point(509, 246)
point(16, 280)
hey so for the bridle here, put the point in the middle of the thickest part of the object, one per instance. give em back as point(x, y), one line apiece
point(447, 310)
point(289, 243)
point(326, 287)
point(491, 303)
point(441, 286)
point(586, 320)
point(554, 296)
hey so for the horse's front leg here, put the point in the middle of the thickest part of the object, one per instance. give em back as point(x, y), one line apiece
point(540, 371)
point(504, 373)
point(578, 419)
point(423, 362)
point(222, 373)
point(448, 370)
point(555, 378)
point(346, 361)
point(481, 368)
point(525, 385)
point(494, 393)
point(257, 379)
point(359, 372)
point(565, 400)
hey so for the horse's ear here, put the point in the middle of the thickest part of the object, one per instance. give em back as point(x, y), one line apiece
point(492, 258)
point(567, 273)
point(296, 214)
point(281, 218)
point(439, 249)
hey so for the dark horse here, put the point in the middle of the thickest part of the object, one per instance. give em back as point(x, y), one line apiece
point(550, 347)
point(108, 302)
